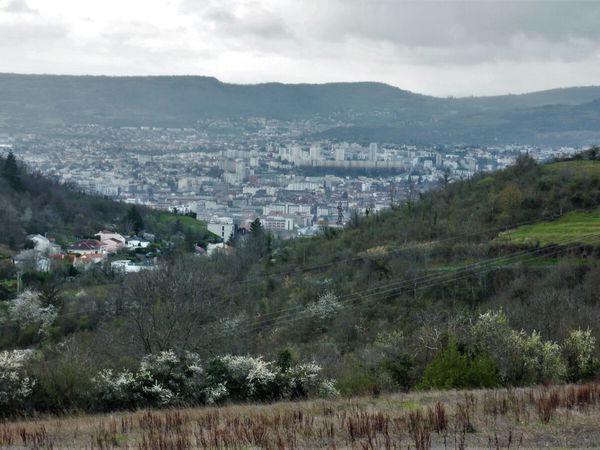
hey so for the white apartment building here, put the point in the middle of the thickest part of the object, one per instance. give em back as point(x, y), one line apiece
point(222, 227)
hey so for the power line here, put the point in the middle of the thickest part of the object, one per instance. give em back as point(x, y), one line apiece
point(390, 287)
point(413, 246)
point(394, 287)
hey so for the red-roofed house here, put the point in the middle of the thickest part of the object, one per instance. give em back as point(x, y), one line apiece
point(87, 247)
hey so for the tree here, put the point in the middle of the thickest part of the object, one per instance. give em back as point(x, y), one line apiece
point(167, 307)
point(134, 219)
point(11, 171)
point(256, 227)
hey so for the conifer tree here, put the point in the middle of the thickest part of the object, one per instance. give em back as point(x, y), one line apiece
point(11, 171)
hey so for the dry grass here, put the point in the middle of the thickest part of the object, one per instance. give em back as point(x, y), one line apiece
point(563, 416)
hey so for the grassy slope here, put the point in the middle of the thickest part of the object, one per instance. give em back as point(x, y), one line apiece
point(557, 417)
point(186, 222)
point(580, 227)
point(577, 226)
point(588, 168)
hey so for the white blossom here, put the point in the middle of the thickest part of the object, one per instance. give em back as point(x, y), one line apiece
point(326, 306)
point(27, 309)
point(15, 385)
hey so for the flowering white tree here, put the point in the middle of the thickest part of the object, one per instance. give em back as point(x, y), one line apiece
point(27, 309)
point(15, 385)
point(326, 306)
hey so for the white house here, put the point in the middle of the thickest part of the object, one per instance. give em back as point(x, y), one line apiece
point(211, 249)
point(44, 245)
point(128, 266)
point(134, 242)
point(32, 260)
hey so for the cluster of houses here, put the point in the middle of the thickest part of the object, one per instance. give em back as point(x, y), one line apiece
point(83, 254)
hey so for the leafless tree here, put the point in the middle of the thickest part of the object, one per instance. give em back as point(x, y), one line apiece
point(168, 308)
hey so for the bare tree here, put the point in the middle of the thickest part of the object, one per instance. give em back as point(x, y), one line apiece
point(169, 307)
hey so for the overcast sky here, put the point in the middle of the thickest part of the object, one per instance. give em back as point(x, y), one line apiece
point(439, 48)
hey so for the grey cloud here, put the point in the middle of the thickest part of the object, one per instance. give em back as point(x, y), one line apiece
point(448, 23)
point(481, 30)
point(16, 7)
point(239, 19)
point(423, 31)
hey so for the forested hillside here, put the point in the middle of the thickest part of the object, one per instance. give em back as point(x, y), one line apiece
point(366, 111)
point(31, 203)
point(442, 291)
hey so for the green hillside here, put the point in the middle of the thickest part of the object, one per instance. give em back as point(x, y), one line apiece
point(428, 294)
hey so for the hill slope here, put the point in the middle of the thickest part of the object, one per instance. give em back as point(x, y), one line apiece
point(422, 295)
point(372, 111)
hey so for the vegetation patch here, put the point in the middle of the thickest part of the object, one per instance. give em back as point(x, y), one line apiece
point(185, 221)
point(574, 228)
point(575, 167)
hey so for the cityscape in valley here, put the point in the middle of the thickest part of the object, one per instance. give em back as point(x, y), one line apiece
point(272, 171)
point(272, 224)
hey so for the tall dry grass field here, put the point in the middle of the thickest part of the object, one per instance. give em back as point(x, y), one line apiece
point(562, 416)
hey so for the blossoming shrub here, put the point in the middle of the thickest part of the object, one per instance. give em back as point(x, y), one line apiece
point(526, 358)
point(578, 352)
point(15, 386)
point(28, 311)
point(167, 379)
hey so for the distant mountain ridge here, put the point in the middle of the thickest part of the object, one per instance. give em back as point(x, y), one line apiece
point(369, 110)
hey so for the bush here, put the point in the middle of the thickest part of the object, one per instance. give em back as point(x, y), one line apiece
point(521, 358)
point(453, 369)
point(27, 310)
point(63, 381)
point(360, 380)
point(167, 379)
point(16, 386)
point(400, 370)
point(578, 352)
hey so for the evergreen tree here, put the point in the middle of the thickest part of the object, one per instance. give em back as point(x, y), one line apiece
point(256, 228)
point(11, 171)
point(134, 219)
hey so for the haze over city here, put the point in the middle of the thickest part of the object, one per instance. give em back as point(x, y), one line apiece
point(443, 48)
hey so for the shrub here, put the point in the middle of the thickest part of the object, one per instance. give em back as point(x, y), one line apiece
point(452, 368)
point(166, 379)
point(15, 385)
point(400, 370)
point(181, 374)
point(63, 380)
point(245, 377)
point(28, 311)
point(360, 380)
point(521, 358)
point(578, 352)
